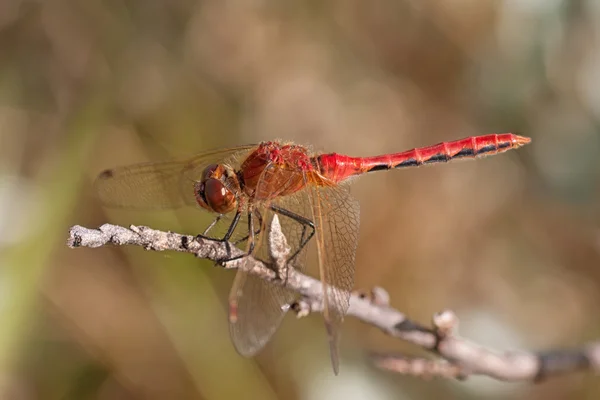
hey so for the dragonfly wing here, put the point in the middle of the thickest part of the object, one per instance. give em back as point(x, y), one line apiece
point(161, 185)
point(336, 215)
point(145, 186)
point(258, 307)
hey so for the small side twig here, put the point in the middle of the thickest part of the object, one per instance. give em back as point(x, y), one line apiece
point(459, 357)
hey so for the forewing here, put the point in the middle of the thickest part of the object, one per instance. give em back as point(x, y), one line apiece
point(160, 185)
point(259, 306)
point(336, 215)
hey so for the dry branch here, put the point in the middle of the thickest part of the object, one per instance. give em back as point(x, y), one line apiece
point(459, 357)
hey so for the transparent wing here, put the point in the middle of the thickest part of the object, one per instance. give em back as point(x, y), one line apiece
point(160, 185)
point(260, 306)
point(336, 215)
point(260, 310)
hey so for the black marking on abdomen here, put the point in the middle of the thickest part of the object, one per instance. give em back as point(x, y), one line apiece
point(466, 152)
point(440, 157)
point(380, 167)
point(411, 162)
point(504, 145)
point(487, 149)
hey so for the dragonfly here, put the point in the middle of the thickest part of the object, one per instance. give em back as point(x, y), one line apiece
point(246, 186)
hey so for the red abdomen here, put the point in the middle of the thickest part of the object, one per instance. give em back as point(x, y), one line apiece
point(337, 167)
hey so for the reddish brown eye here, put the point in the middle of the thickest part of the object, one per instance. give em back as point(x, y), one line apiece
point(218, 197)
point(199, 193)
point(209, 172)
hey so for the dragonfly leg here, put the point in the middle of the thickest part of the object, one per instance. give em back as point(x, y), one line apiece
point(232, 226)
point(230, 230)
point(256, 232)
point(250, 236)
point(306, 225)
point(304, 238)
point(204, 235)
point(212, 225)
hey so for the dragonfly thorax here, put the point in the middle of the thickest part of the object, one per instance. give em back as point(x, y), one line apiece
point(217, 189)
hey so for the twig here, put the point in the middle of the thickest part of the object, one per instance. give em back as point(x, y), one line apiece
point(461, 357)
point(421, 367)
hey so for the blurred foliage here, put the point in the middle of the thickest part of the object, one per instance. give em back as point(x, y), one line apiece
point(511, 242)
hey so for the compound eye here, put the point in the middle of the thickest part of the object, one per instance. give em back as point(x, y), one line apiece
point(199, 193)
point(209, 172)
point(218, 197)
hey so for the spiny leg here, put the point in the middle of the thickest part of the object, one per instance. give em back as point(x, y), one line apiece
point(304, 238)
point(230, 230)
point(212, 225)
point(250, 238)
point(232, 226)
point(225, 239)
point(305, 222)
point(256, 232)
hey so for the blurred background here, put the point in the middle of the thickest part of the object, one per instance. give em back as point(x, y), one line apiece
point(510, 243)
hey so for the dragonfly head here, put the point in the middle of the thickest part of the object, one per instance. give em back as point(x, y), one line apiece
point(217, 188)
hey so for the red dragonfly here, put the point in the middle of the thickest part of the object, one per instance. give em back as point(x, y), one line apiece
point(246, 186)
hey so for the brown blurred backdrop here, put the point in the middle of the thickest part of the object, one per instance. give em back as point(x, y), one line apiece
point(511, 243)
